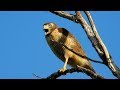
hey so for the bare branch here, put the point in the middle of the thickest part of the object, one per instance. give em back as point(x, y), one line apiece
point(89, 32)
point(107, 57)
point(94, 38)
point(36, 76)
point(90, 20)
point(65, 15)
point(97, 36)
point(77, 69)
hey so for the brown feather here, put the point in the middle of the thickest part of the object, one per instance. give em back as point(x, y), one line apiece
point(61, 35)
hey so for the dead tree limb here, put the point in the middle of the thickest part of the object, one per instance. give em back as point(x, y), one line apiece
point(94, 37)
point(77, 69)
point(65, 15)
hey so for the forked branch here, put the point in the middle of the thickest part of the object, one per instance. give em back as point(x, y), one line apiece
point(93, 36)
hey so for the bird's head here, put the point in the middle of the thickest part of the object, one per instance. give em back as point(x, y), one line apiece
point(49, 27)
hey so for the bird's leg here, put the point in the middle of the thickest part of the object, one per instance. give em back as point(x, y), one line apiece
point(64, 67)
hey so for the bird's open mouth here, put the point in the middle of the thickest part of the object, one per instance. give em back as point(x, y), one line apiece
point(46, 30)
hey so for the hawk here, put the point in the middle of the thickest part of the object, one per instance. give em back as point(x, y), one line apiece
point(56, 35)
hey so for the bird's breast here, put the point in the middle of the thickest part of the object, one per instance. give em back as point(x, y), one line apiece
point(57, 48)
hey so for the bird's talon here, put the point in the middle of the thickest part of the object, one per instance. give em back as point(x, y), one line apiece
point(78, 66)
point(62, 70)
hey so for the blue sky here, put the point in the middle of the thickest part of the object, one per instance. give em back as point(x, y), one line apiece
point(24, 50)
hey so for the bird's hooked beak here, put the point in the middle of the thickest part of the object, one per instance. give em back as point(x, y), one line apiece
point(46, 29)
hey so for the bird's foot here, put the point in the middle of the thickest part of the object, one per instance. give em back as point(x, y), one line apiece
point(62, 69)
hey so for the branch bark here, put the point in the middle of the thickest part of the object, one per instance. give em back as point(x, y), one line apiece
point(77, 69)
point(65, 15)
point(94, 37)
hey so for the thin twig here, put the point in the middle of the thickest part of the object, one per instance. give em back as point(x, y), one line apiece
point(36, 76)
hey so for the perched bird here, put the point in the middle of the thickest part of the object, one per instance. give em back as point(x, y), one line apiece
point(56, 35)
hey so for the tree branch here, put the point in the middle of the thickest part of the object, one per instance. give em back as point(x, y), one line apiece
point(106, 57)
point(98, 37)
point(65, 15)
point(90, 34)
point(77, 69)
point(94, 37)
point(36, 76)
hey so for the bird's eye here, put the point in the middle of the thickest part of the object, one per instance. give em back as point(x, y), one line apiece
point(49, 25)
